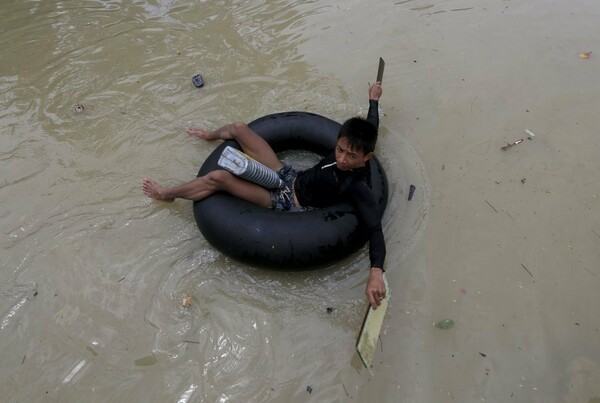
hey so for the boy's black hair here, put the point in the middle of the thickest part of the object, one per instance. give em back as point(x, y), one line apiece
point(360, 133)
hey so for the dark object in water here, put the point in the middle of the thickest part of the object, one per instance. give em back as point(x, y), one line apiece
point(509, 145)
point(329, 309)
point(445, 324)
point(411, 192)
point(198, 81)
point(380, 70)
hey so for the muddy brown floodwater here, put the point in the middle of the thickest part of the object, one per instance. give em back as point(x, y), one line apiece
point(96, 95)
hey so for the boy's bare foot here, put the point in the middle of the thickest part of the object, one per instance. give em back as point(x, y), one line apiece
point(154, 190)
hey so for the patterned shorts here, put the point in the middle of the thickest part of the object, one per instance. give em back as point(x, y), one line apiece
point(283, 199)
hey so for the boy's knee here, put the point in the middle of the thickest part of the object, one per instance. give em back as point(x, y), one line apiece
point(219, 178)
point(239, 126)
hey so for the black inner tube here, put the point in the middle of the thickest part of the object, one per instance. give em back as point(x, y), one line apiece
point(286, 240)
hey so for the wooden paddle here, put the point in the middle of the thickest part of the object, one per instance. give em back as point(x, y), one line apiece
point(371, 327)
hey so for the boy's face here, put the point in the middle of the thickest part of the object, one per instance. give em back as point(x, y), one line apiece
point(347, 158)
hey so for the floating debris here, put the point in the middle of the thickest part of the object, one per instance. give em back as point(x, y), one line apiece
point(530, 134)
point(309, 389)
point(490, 204)
point(74, 371)
point(198, 81)
point(527, 270)
point(509, 145)
point(411, 192)
point(330, 309)
point(445, 324)
point(186, 302)
point(585, 55)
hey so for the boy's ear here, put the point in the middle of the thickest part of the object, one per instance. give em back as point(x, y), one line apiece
point(368, 156)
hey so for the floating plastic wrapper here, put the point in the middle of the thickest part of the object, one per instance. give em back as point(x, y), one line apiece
point(243, 166)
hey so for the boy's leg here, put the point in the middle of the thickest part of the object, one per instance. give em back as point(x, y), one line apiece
point(252, 144)
point(204, 186)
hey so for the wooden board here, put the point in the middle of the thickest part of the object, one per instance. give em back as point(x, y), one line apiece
point(369, 332)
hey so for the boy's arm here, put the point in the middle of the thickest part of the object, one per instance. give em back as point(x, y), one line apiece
point(363, 200)
point(375, 92)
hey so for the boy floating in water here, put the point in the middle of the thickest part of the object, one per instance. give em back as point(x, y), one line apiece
point(340, 176)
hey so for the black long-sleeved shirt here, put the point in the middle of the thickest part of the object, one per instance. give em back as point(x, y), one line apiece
point(323, 185)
